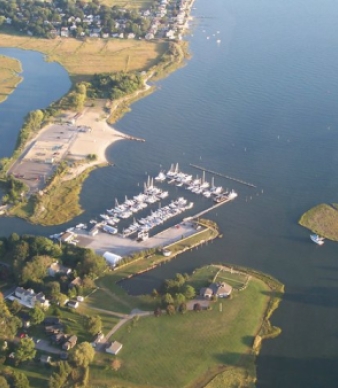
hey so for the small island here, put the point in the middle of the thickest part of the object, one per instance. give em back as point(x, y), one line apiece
point(322, 220)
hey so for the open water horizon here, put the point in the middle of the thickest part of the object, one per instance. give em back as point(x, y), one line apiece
point(261, 106)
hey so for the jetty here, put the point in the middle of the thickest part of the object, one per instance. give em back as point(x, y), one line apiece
point(223, 175)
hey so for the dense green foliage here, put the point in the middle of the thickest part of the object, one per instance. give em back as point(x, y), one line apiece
point(31, 256)
point(44, 18)
point(114, 86)
point(10, 323)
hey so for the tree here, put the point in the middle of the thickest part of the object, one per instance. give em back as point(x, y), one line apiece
point(171, 310)
point(20, 380)
point(36, 269)
point(167, 299)
point(52, 289)
point(25, 351)
point(82, 355)
point(197, 307)
point(189, 292)
point(15, 307)
point(182, 308)
point(3, 382)
point(8, 323)
point(93, 324)
point(37, 315)
point(180, 298)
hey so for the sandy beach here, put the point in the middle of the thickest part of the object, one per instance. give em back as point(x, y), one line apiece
point(96, 140)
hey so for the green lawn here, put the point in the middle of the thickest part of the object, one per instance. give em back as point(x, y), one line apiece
point(173, 351)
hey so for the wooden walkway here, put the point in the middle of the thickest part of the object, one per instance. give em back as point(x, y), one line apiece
point(223, 175)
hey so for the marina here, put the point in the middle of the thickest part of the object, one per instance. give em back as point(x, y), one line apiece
point(138, 230)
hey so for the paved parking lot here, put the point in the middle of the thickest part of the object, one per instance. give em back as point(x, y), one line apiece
point(119, 245)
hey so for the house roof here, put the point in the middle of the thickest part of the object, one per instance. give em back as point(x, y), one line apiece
point(206, 291)
point(112, 258)
point(114, 348)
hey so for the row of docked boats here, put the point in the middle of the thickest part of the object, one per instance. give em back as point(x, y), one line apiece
point(129, 207)
point(196, 185)
point(158, 217)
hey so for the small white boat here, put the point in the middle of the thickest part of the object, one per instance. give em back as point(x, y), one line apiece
point(317, 239)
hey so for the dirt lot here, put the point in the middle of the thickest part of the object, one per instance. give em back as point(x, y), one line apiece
point(43, 155)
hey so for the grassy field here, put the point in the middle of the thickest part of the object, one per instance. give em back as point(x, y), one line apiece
point(9, 78)
point(84, 58)
point(123, 302)
point(174, 351)
point(61, 204)
point(323, 220)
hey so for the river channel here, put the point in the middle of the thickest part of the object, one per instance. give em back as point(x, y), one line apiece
point(259, 105)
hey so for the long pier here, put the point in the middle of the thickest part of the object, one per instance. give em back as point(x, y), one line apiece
point(223, 175)
point(198, 215)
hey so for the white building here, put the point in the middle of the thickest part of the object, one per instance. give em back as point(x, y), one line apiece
point(111, 258)
point(29, 298)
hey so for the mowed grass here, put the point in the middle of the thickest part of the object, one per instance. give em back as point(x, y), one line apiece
point(9, 77)
point(83, 58)
point(323, 220)
point(174, 351)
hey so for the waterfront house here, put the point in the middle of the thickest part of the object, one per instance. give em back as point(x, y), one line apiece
point(220, 290)
point(206, 292)
point(114, 348)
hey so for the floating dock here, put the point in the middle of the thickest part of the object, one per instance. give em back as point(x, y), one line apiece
point(223, 175)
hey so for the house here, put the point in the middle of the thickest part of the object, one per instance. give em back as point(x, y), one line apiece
point(77, 282)
point(98, 339)
point(131, 35)
point(64, 33)
point(29, 298)
point(221, 290)
point(67, 237)
point(111, 258)
point(59, 338)
point(71, 342)
point(149, 36)
point(74, 304)
point(58, 269)
point(53, 330)
point(114, 348)
point(206, 292)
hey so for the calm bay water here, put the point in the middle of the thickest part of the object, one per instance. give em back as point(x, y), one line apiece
point(261, 106)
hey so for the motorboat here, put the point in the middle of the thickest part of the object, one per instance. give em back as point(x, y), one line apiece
point(317, 239)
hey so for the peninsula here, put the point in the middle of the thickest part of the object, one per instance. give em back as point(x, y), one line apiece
point(108, 72)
